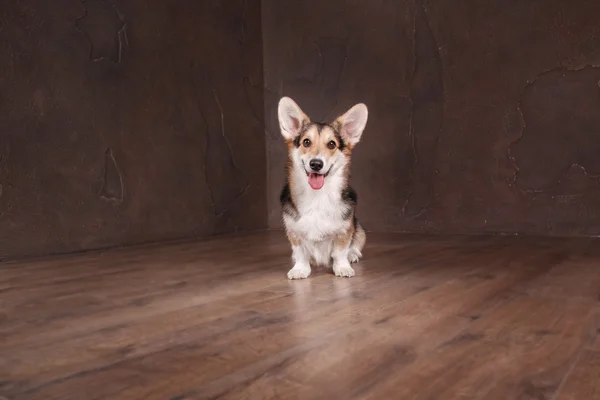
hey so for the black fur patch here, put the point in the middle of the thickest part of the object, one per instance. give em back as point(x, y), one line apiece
point(297, 141)
point(350, 198)
point(305, 128)
point(320, 126)
point(287, 204)
point(341, 143)
point(338, 135)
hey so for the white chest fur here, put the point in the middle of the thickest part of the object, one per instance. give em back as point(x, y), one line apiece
point(320, 211)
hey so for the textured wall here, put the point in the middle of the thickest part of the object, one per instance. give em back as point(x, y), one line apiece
point(484, 115)
point(127, 121)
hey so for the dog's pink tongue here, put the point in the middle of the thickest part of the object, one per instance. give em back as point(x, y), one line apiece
point(316, 181)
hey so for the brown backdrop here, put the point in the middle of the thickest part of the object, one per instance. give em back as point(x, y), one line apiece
point(484, 115)
point(128, 121)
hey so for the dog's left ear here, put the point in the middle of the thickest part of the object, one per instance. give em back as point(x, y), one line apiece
point(352, 123)
point(291, 118)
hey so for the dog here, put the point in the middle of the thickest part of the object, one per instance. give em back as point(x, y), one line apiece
point(317, 201)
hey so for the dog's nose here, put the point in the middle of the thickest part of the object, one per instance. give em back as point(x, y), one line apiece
point(316, 164)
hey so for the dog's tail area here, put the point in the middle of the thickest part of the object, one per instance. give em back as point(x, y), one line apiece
point(359, 239)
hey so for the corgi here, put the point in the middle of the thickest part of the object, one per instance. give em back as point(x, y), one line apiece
point(317, 201)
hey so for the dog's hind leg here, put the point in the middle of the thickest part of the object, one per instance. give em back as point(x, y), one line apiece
point(340, 255)
point(358, 242)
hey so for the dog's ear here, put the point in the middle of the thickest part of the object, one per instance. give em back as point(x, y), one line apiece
point(291, 118)
point(352, 123)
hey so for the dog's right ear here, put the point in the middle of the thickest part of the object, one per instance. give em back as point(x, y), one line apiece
point(291, 118)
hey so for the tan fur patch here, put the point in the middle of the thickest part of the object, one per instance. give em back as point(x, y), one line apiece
point(360, 237)
point(342, 241)
point(290, 168)
point(322, 143)
point(294, 240)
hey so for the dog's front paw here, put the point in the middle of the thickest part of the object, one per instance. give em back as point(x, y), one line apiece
point(343, 270)
point(299, 272)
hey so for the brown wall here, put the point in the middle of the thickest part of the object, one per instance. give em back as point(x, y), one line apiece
point(128, 121)
point(484, 115)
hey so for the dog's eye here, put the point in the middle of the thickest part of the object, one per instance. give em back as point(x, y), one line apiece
point(331, 145)
point(306, 142)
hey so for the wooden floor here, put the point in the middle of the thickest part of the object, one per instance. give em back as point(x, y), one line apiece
point(425, 318)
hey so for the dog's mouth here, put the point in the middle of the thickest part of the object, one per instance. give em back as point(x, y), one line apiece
point(316, 181)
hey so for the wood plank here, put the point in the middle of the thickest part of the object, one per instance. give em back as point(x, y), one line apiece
point(574, 277)
point(236, 349)
point(522, 349)
point(385, 343)
point(583, 381)
point(120, 328)
point(595, 342)
point(425, 317)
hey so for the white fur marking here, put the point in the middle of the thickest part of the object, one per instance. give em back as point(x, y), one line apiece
point(341, 265)
point(345, 271)
point(321, 210)
point(301, 267)
point(354, 255)
point(299, 272)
